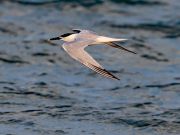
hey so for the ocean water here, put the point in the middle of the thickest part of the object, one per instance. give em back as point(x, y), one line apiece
point(44, 91)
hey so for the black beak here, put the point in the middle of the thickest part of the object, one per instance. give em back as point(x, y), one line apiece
point(55, 38)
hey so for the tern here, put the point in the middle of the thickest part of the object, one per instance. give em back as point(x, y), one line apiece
point(76, 41)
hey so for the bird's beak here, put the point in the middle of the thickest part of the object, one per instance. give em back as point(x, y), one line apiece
point(55, 38)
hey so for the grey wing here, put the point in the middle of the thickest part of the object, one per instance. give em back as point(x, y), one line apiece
point(112, 44)
point(76, 51)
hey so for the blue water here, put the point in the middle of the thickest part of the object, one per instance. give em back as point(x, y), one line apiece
point(44, 91)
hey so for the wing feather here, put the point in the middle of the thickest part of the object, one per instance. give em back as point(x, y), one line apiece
point(101, 71)
point(76, 50)
point(112, 44)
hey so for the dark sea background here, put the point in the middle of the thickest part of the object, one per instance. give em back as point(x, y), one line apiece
point(45, 92)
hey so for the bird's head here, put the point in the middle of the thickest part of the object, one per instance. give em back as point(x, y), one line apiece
point(67, 36)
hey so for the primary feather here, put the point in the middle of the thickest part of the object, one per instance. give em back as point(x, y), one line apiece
point(76, 50)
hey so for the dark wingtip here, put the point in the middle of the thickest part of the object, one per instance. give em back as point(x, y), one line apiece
point(116, 78)
point(120, 47)
point(133, 52)
point(55, 38)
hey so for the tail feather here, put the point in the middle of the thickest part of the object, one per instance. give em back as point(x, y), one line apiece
point(102, 39)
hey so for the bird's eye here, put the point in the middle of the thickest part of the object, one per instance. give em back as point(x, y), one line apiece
point(66, 35)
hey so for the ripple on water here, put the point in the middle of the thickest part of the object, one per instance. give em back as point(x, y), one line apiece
point(44, 91)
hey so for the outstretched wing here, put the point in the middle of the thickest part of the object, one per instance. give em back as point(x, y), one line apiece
point(112, 44)
point(76, 50)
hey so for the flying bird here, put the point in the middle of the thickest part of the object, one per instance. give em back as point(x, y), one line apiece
point(77, 40)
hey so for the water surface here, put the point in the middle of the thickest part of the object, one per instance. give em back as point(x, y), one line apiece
point(44, 91)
